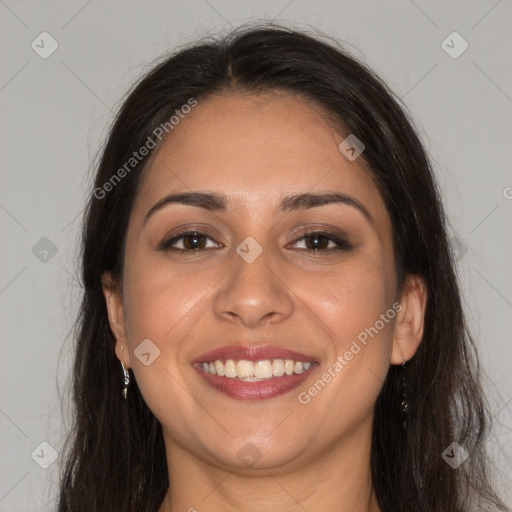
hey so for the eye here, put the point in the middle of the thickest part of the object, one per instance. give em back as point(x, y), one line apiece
point(319, 241)
point(188, 241)
point(314, 242)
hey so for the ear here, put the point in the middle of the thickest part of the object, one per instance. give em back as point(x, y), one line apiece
point(410, 319)
point(115, 310)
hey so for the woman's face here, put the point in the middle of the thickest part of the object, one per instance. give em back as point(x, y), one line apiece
point(276, 274)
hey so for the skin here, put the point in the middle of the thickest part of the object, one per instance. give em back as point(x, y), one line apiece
point(256, 150)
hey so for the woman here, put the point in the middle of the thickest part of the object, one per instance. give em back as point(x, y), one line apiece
point(271, 318)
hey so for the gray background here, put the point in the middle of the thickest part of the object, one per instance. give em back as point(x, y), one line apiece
point(55, 113)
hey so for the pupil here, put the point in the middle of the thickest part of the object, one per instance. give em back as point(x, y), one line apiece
point(195, 244)
point(316, 244)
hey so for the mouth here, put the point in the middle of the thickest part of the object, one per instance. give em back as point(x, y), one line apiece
point(254, 373)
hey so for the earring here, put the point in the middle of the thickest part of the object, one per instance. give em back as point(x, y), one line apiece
point(404, 404)
point(126, 381)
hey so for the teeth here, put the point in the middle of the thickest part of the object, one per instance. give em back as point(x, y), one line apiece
point(263, 369)
point(255, 371)
point(229, 369)
point(219, 368)
point(298, 368)
point(278, 368)
point(244, 369)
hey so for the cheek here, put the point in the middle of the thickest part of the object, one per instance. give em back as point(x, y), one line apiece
point(164, 306)
point(159, 300)
point(354, 308)
point(349, 300)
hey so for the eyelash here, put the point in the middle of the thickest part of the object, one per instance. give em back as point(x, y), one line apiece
point(342, 243)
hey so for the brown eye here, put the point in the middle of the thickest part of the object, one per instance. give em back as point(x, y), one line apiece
point(322, 242)
point(317, 242)
point(194, 241)
point(187, 241)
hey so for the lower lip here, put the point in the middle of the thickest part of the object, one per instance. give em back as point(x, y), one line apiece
point(261, 390)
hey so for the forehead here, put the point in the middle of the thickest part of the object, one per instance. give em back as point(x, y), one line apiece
point(255, 149)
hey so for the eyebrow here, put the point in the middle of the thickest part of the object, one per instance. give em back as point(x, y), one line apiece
point(219, 202)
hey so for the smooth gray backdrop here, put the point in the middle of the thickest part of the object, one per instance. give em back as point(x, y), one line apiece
point(56, 105)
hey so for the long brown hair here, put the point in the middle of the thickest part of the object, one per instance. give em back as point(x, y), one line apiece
point(115, 459)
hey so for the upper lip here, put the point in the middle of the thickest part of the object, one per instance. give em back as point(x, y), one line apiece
point(252, 353)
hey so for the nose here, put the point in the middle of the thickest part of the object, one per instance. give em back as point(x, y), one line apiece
point(254, 293)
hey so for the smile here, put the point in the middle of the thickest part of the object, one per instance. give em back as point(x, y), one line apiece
point(250, 371)
point(254, 372)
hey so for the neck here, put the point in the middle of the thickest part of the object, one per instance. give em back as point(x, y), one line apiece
point(338, 480)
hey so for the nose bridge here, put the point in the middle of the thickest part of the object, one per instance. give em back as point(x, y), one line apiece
point(253, 292)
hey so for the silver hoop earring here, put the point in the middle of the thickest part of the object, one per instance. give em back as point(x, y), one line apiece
point(404, 403)
point(126, 381)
